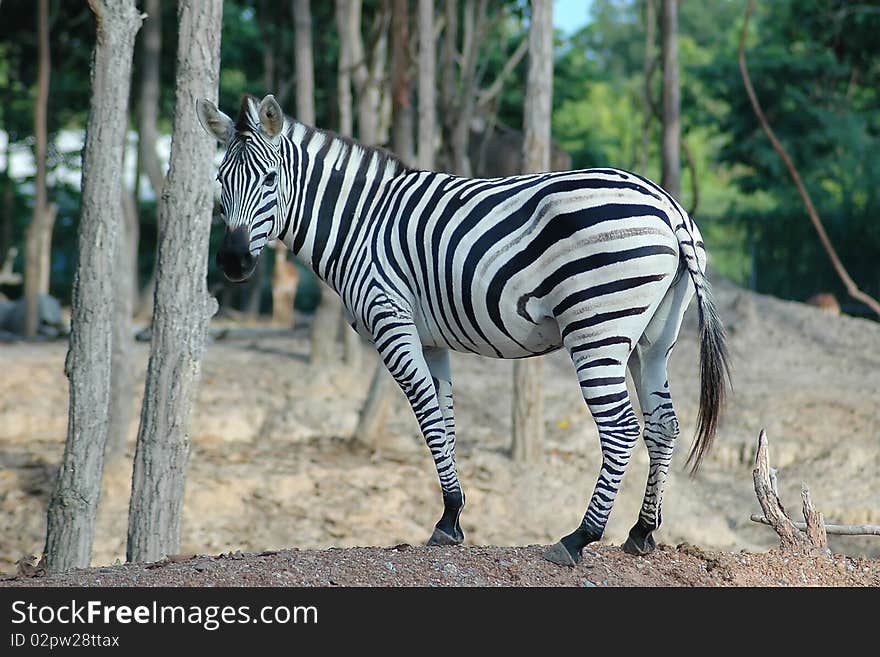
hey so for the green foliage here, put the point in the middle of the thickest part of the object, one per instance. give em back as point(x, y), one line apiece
point(814, 68)
point(815, 65)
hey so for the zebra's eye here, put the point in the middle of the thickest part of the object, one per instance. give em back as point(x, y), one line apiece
point(269, 180)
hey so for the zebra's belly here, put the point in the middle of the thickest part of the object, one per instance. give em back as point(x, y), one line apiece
point(533, 338)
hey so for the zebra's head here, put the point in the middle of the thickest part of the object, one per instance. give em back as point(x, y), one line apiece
point(250, 180)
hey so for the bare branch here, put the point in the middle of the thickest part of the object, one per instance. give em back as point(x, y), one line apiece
point(836, 530)
point(789, 535)
point(488, 94)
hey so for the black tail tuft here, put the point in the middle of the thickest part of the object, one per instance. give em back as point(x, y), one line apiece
point(714, 376)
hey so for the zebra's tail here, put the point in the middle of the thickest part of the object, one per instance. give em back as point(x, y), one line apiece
point(714, 368)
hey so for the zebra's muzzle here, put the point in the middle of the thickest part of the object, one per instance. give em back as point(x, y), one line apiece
point(234, 257)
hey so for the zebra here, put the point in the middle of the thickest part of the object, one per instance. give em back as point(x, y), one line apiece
point(601, 262)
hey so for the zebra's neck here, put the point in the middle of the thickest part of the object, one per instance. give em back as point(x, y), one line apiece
point(334, 186)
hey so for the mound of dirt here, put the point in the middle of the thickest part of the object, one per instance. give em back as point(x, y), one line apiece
point(406, 565)
point(273, 464)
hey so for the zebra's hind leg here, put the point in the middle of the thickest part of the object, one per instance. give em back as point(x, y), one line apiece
point(648, 366)
point(602, 375)
point(448, 529)
point(661, 429)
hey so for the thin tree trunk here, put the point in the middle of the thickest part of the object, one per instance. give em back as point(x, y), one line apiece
point(343, 80)
point(325, 325)
point(379, 397)
point(74, 501)
point(305, 62)
point(472, 20)
point(38, 238)
point(367, 84)
point(528, 398)
point(427, 82)
point(285, 276)
point(671, 178)
point(285, 282)
point(650, 61)
point(255, 284)
point(367, 72)
point(122, 393)
point(377, 405)
point(255, 292)
point(401, 84)
point(8, 195)
point(327, 314)
point(183, 307)
point(353, 349)
point(148, 122)
point(47, 224)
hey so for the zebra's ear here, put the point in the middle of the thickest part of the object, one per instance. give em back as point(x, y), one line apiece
point(271, 116)
point(215, 122)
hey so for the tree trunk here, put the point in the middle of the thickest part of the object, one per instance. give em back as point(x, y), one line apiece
point(148, 120)
point(325, 325)
point(122, 377)
point(183, 307)
point(353, 350)
point(401, 84)
point(472, 21)
point(367, 72)
point(528, 410)
point(450, 51)
point(427, 82)
point(528, 398)
point(74, 501)
point(255, 292)
point(285, 281)
point(379, 401)
point(8, 196)
point(285, 276)
point(650, 61)
point(39, 233)
point(254, 286)
point(671, 180)
point(304, 61)
point(343, 80)
point(371, 420)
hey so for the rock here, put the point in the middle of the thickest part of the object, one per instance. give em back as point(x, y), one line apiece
point(51, 320)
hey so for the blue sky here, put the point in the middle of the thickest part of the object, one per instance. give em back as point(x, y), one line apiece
point(569, 15)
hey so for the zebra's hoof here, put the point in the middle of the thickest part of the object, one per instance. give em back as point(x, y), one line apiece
point(440, 537)
point(639, 548)
point(559, 554)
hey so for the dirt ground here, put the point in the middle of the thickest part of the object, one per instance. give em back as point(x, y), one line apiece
point(406, 565)
point(273, 466)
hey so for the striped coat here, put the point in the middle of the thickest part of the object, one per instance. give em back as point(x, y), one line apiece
point(601, 262)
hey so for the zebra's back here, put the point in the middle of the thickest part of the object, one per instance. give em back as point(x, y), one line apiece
point(491, 265)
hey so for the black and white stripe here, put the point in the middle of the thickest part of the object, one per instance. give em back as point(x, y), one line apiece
point(601, 262)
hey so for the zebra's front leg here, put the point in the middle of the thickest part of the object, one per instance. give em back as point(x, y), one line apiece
point(448, 530)
point(405, 359)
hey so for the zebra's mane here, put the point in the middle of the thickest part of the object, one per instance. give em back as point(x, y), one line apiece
point(249, 121)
